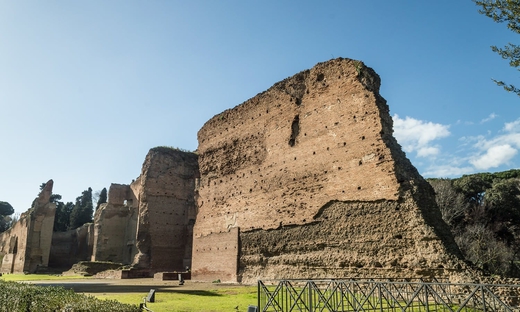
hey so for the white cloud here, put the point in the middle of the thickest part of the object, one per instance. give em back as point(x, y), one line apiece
point(417, 135)
point(492, 152)
point(494, 156)
point(446, 171)
point(427, 151)
point(489, 118)
point(512, 126)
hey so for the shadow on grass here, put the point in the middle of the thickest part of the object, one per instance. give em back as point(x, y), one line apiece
point(106, 288)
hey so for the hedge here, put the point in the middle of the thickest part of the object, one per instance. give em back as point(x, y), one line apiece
point(23, 297)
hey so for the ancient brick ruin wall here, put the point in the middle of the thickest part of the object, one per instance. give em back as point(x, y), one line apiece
point(72, 246)
point(12, 246)
point(166, 192)
point(26, 246)
point(115, 226)
point(275, 165)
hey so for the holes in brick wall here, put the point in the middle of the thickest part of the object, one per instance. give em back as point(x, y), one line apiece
point(313, 153)
point(295, 130)
point(359, 188)
point(363, 137)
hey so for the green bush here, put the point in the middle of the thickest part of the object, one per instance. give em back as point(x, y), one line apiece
point(21, 297)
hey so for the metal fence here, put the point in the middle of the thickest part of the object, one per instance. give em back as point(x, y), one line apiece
point(381, 295)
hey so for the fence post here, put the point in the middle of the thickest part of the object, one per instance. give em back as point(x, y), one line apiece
point(311, 308)
point(483, 298)
point(258, 295)
point(380, 297)
point(426, 295)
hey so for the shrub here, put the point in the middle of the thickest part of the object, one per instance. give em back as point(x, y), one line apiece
point(16, 297)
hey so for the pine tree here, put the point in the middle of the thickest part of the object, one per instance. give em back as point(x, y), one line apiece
point(82, 211)
point(505, 11)
point(102, 198)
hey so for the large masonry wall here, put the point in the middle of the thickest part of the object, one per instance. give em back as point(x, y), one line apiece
point(114, 226)
point(165, 193)
point(311, 174)
point(26, 246)
point(72, 246)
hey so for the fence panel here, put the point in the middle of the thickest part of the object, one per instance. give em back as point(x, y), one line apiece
point(384, 295)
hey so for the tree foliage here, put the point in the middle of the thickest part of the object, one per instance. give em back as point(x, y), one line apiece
point(102, 198)
point(505, 11)
point(82, 211)
point(62, 217)
point(5, 211)
point(483, 212)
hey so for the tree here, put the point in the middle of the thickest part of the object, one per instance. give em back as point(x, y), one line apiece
point(507, 11)
point(473, 187)
point(503, 201)
point(102, 198)
point(82, 211)
point(62, 217)
point(450, 202)
point(5, 211)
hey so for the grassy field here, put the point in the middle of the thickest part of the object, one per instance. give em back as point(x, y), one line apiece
point(191, 297)
point(228, 299)
point(38, 277)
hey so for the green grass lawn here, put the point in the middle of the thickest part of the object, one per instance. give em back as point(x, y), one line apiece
point(37, 277)
point(214, 299)
point(226, 299)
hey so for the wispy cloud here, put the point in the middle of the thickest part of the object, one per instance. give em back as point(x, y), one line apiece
point(447, 171)
point(474, 153)
point(489, 118)
point(417, 135)
point(512, 126)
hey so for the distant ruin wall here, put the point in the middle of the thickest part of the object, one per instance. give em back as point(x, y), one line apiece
point(26, 246)
point(71, 246)
point(115, 227)
point(166, 192)
point(310, 172)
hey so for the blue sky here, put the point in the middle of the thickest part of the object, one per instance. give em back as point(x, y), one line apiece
point(88, 87)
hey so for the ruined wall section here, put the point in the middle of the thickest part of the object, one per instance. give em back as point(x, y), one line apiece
point(114, 226)
point(166, 192)
point(311, 174)
point(283, 154)
point(26, 246)
point(13, 245)
point(217, 256)
point(71, 246)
